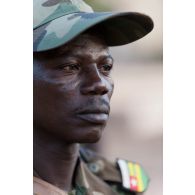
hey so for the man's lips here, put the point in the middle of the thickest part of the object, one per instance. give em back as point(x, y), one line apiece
point(98, 116)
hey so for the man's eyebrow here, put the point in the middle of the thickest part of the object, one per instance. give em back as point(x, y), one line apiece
point(69, 53)
point(108, 57)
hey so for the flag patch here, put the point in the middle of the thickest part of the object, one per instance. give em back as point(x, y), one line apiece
point(133, 175)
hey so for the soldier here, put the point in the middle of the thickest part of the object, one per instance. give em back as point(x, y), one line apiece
point(72, 91)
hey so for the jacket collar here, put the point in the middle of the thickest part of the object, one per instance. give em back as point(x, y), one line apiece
point(84, 182)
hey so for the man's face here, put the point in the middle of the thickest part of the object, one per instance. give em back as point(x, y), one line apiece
point(72, 90)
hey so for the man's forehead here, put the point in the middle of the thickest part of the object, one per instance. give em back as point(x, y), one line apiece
point(83, 41)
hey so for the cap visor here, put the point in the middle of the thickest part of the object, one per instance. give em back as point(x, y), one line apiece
point(117, 28)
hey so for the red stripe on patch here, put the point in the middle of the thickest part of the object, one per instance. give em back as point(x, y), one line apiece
point(133, 183)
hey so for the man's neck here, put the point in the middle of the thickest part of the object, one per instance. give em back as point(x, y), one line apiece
point(54, 160)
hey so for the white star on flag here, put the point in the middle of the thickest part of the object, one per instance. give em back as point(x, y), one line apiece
point(134, 182)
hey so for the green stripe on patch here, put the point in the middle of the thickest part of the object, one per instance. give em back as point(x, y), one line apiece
point(145, 178)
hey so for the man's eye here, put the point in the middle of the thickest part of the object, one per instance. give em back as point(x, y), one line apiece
point(106, 68)
point(70, 68)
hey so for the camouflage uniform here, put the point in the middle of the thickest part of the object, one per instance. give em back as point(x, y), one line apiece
point(94, 175)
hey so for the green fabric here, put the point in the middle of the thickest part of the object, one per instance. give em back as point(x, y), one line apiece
point(80, 190)
point(105, 179)
point(119, 191)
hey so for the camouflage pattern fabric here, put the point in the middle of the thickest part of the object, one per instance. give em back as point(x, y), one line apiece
point(55, 22)
point(94, 175)
point(48, 10)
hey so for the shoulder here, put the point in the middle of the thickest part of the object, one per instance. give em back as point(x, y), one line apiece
point(125, 177)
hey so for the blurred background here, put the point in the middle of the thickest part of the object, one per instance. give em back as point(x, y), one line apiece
point(134, 130)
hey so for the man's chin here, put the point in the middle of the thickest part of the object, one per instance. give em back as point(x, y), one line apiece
point(92, 136)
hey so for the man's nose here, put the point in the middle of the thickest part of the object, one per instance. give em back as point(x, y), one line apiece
point(94, 83)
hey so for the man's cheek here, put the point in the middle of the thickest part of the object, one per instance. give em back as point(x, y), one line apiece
point(69, 85)
point(111, 90)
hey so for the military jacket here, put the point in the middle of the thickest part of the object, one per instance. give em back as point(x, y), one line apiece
point(94, 175)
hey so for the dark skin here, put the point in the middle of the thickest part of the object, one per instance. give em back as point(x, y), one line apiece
point(72, 91)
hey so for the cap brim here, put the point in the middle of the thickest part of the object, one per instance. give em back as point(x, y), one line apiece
point(117, 28)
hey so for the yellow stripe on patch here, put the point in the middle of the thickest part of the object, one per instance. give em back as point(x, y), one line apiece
point(139, 178)
point(131, 169)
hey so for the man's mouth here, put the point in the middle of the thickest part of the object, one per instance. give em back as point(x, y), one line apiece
point(98, 116)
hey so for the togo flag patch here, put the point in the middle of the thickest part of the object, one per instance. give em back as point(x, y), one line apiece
point(133, 175)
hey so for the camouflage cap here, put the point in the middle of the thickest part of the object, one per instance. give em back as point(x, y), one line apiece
point(56, 22)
